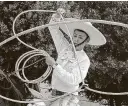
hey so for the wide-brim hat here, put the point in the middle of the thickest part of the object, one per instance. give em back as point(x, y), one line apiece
point(96, 37)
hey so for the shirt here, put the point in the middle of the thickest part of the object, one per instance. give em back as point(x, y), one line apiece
point(66, 75)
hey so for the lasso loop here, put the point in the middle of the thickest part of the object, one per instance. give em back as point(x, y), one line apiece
point(47, 25)
point(13, 27)
point(32, 54)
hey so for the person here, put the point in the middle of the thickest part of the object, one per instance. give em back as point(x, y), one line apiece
point(68, 71)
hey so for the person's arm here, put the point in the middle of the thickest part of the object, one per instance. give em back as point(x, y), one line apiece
point(73, 77)
point(58, 38)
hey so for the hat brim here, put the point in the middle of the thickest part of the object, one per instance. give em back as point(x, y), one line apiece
point(96, 37)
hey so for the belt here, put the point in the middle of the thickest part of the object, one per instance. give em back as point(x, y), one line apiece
point(57, 93)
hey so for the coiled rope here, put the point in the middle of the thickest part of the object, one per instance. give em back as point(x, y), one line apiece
point(29, 55)
point(34, 53)
point(64, 22)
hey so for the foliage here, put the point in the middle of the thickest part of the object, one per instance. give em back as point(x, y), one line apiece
point(108, 71)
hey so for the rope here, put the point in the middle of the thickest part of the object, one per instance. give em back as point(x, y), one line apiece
point(13, 28)
point(106, 93)
point(42, 100)
point(32, 54)
point(13, 73)
point(43, 26)
point(64, 22)
point(74, 50)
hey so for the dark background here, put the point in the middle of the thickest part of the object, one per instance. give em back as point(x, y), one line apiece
point(109, 69)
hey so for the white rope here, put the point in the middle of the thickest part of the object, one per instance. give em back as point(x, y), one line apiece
point(106, 93)
point(13, 26)
point(65, 22)
point(32, 54)
point(13, 73)
point(41, 100)
point(74, 50)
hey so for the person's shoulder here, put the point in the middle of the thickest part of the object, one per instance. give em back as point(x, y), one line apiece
point(83, 56)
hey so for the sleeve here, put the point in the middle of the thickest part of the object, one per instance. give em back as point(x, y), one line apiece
point(57, 36)
point(73, 77)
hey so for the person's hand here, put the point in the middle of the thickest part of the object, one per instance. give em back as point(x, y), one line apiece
point(50, 61)
point(60, 10)
point(57, 16)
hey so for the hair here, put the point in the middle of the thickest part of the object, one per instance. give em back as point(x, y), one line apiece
point(88, 38)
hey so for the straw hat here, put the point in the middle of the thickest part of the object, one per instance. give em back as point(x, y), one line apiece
point(96, 37)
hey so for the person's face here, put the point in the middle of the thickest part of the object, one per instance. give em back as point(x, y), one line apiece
point(79, 37)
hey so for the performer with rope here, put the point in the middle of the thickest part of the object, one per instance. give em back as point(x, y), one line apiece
point(68, 58)
point(71, 66)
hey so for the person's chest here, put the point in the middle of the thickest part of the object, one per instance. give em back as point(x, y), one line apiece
point(67, 59)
